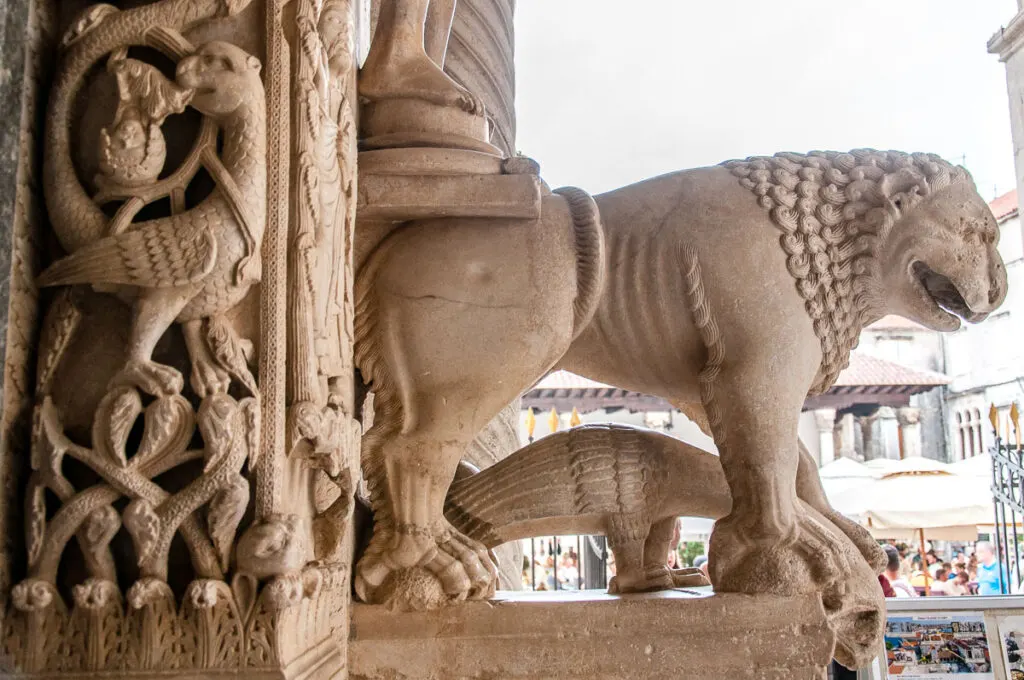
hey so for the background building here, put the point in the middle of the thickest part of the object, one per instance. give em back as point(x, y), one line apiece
point(986, 362)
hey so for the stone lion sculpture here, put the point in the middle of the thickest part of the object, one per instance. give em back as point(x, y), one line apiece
point(733, 290)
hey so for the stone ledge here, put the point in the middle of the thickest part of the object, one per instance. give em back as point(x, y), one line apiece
point(402, 197)
point(593, 635)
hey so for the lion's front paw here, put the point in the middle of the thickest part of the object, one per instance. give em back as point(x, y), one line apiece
point(805, 557)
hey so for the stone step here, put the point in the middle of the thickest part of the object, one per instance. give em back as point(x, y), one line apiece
point(593, 635)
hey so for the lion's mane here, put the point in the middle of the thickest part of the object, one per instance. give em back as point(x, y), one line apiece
point(835, 211)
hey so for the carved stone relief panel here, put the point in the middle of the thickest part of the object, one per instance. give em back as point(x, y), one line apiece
point(161, 387)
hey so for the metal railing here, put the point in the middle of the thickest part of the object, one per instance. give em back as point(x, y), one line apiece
point(1008, 499)
point(588, 555)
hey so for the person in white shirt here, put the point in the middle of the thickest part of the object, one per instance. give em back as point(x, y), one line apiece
point(892, 572)
point(940, 586)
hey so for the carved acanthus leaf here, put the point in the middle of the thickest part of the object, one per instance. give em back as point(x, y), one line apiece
point(169, 426)
point(114, 420)
point(34, 595)
point(142, 522)
point(218, 421)
point(206, 593)
point(223, 515)
point(245, 588)
point(35, 511)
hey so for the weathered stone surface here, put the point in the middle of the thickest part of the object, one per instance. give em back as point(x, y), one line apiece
point(25, 39)
point(596, 636)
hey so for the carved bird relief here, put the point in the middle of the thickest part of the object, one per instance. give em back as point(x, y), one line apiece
point(192, 265)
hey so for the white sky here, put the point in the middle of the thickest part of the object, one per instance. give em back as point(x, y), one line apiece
point(612, 91)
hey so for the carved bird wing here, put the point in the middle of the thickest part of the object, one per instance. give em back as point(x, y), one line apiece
point(161, 254)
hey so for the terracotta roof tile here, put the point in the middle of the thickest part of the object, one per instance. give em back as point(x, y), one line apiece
point(1005, 206)
point(867, 370)
point(863, 371)
point(893, 322)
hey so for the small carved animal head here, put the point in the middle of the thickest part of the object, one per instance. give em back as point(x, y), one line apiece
point(222, 76)
point(940, 263)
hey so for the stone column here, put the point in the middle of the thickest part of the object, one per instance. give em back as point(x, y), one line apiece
point(910, 427)
point(845, 436)
point(888, 433)
point(869, 444)
point(825, 420)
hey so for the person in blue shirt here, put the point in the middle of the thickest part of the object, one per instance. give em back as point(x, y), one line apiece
point(992, 576)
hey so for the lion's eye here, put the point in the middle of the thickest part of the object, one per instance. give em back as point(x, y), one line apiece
point(898, 202)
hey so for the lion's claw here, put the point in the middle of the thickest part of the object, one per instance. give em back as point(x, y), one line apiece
point(462, 568)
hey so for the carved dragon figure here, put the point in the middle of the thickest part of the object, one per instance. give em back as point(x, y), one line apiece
point(191, 265)
point(631, 485)
point(625, 483)
point(680, 290)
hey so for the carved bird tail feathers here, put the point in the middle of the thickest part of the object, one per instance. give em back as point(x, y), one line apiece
point(159, 254)
point(589, 471)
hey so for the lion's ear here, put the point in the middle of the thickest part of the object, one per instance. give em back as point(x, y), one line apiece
point(901, 181)
point(253, 63)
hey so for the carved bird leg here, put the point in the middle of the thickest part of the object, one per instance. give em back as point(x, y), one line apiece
point(626, 537)
point(657, 575)
point(207, 377)
point(398, 65)
point(155, 310)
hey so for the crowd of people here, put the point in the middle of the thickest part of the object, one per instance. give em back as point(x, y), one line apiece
point(968, 570)
point(911, 574)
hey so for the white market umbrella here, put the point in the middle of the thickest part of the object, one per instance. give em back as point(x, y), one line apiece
point(844, 474)
point(916, 497)
point(916, 494)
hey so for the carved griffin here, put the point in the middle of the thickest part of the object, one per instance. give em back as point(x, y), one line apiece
point(196, 263)
point(734, 290)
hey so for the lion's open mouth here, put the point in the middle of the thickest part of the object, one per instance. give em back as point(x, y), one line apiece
point(944, 293)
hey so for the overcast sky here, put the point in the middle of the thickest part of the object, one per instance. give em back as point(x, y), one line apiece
point(612, 91)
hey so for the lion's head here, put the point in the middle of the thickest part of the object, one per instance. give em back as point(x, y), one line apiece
point(869, 233)
point(940, 263)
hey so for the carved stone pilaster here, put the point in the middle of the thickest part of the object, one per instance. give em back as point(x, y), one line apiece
point(158, 404)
